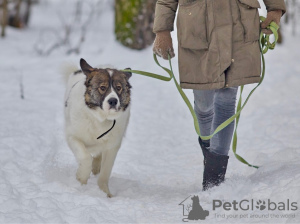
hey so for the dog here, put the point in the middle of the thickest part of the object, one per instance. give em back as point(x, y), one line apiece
point(97, 111)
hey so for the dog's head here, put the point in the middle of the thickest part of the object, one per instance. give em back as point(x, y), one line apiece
point(107, 89)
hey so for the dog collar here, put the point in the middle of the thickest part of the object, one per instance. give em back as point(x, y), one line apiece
point(107, 130)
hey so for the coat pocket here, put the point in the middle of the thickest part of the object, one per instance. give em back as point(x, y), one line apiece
point(191, 24)
point(250, 19)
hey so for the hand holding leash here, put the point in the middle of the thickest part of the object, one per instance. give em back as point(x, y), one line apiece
point(272, 16)
point(163, 45)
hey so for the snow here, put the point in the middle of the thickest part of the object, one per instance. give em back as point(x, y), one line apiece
point(160, 162)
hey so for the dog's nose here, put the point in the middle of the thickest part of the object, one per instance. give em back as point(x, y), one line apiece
point(112, 102)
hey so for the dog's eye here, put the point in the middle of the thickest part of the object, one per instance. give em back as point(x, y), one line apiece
point(119, 88)
point(102, 88)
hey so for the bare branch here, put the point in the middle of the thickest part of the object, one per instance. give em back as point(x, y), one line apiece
point(39, 45)
point(4, 18)
point(22, 88)
point(71, 30)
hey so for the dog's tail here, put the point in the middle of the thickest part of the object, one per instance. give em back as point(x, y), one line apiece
point(66, 70)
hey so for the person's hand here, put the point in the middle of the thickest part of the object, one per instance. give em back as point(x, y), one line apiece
point(271, 16)
point(163, 45)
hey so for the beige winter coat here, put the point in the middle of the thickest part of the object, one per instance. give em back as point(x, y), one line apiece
point(217, 40)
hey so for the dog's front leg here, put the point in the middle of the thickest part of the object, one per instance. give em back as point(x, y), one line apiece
point(108, 159)
point(97, 164)
point(84, 159)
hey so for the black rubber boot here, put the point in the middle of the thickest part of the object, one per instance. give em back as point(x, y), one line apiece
point(215, 166)
point(204, 146)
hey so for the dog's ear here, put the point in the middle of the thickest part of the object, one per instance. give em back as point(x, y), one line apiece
point(85, 67)
point(128, 74)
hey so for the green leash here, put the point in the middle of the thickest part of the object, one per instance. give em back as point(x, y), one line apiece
point(265, 45)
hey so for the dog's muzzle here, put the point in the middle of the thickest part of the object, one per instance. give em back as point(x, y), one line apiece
point(113, 103)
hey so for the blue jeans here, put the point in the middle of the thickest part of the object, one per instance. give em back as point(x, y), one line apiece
point(212, 108)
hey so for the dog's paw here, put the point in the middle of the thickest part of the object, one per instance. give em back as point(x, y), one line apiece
point(109, 195)
point(104, 187)
point(82, 176)
point(96, 165)
point(83, 181)
point(96, 170)
point(84, 170)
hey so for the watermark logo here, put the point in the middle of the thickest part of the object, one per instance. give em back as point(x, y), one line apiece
point(261, 205)
point(247, 205)
point(253, 209)
point(192, 210)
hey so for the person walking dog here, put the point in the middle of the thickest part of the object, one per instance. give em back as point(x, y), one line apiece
point(218, 50)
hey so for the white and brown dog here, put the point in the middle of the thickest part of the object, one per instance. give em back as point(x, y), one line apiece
point(97, 110)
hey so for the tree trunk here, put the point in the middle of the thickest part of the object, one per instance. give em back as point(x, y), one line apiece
point(134, 22)
point(16, 20)
point(28, 12)
point(4, 17)
point(287, 14)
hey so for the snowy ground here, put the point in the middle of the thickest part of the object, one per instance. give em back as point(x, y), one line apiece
point(160, 163)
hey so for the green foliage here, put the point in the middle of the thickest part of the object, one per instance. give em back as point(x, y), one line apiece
point(126, 16)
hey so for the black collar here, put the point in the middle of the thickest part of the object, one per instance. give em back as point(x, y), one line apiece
point(107, 130)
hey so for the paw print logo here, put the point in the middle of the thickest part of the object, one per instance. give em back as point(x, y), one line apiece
point(261, 205)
